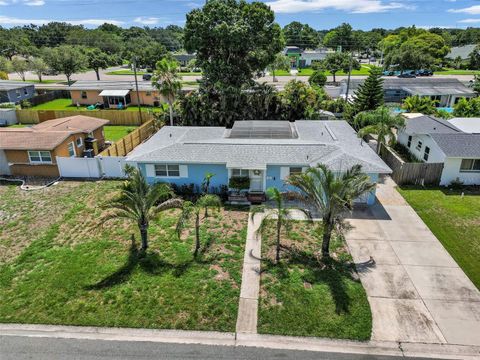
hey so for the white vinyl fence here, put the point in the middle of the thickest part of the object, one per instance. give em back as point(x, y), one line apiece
point(97, 167)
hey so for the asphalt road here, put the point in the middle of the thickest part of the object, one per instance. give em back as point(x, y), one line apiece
point(19, 348)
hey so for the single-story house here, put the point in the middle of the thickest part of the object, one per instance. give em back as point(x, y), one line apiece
point(434, 140)
point(114, 94)
point(183, 59)
point(462, 52)
point(265, 152)
point(446, 91)
point(300, 58)
point(467, 125)
point(15, 91)
point(32, 151)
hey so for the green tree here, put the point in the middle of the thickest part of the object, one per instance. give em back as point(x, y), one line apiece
point(233, 41)
point(97, 59)
point(340, 37)
point(332, 194)
point(3, 75)
point(420, 104)
point(476, 84)
point(298, 98)
point(301, 35)
point(141, 202)
point(5, 65)
point(280, 62)
point(206, 182)
point(369, 95)
point(20, 66)
point(318, 78)
point(38, 66)
point(474, 58)
point(167, 81)
point(336, 62)
point(277, 213)
point(194, 209)
point(67, 60)
point(467, 107)
point(380, 122)
point(408, 57)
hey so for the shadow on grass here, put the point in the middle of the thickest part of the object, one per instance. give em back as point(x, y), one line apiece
point(149, 262)
point(331, 272)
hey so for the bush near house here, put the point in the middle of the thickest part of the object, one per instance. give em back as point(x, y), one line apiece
point(66, 267)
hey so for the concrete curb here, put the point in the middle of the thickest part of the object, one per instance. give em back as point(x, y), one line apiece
point(434, 351)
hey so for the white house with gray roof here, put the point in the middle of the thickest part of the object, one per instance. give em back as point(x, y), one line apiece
point(434, 140)
point(266, 152)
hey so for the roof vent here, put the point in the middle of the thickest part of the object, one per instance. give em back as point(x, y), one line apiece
point(332, 134)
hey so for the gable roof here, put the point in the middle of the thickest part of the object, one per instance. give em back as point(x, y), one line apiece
point(6, 85)
point(428, 125)
point(333, 143)
point(461, 51)
point(458, 145)
point(48, 134)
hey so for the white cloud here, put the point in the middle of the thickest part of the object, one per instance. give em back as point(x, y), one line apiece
point(146, 20)
point(473, 10)
point(356, 6)
point(5, 20)
point(24, 2)
point(469, 21)
point(35, 3)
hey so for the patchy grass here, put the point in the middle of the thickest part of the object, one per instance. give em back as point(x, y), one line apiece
point(455, 221)
point(64, 266)
point(302, 297)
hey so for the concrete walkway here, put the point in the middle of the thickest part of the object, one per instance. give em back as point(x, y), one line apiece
point(249, 292)
point(416, 291)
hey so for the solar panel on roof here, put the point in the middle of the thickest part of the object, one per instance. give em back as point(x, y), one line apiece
point(262, 130)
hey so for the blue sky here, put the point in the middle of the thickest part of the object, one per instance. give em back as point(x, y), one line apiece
point(320, 14)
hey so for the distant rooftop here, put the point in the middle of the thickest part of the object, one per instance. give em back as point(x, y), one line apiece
point(467, 125)
point(110, 85)
point(461, 51)
point(6, 85)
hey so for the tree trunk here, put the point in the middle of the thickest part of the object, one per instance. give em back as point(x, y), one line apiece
point(274, 78)
point(379, 146)
point(68, 79)
point(279, 228)
point(144, 236)
point(97, 72)
point(39, 76)
point(197, 235)
point(334, 79)
point(327, 236)
point(170, 108)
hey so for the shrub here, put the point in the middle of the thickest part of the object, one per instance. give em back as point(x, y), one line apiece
point(25, 104)
point(456, 184)
point(318, 78)
point(3, 75)
point(7, 106)
point(405, 153)
point(239, 183)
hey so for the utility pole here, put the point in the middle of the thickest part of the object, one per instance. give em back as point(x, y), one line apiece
point(349, 75)
point(136, 88)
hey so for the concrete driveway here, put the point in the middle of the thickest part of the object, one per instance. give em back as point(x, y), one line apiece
point(416, 291)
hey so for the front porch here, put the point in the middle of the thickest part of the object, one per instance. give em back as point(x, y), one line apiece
point(246, 186)
point(116, 99)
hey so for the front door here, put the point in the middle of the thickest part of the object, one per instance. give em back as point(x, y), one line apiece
point(256, 180)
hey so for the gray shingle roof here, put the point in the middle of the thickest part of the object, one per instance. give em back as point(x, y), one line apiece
point(111, 85)
point(334, 143)
point(459, 145)
point(462, 51)
point(6, 85)
point(429, 125)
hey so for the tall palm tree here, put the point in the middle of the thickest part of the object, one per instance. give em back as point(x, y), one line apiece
point(194, 209)
point(420, 104)
point(381, 122)
point(140, 202)
point(331, 194)
point(166, 79)
point(278, 213)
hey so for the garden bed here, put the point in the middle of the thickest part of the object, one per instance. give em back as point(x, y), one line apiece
point(302, 297)
point(62, 265)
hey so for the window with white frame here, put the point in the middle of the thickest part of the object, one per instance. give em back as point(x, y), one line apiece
point(168, 170)
point(470, 165)
point(71, 149)
point(426, 154)
point(409, 142)
point(419, 145)
point(240, 173)
point(79, 142)
point(295, 170)
point(17, 92)
point(39, 157)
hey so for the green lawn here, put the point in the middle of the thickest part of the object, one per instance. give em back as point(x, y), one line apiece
point(66, 104)
point(130, 72)
point(456, 72)
point(303, 297)
point(364, 70)
point(455, 221)
point(68, 267)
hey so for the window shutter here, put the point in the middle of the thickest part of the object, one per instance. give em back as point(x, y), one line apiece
point(284, 172)
point(150, 169)
point(183, 171)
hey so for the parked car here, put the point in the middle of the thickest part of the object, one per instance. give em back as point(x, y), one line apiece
point(424, 72)
point(147, 77)
point(406, 76)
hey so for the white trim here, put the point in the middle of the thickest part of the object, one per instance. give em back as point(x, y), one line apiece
point(39, 156)
point(81, 142)
point(73, 147)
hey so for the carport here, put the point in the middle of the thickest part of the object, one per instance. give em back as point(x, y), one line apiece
point(114, 99)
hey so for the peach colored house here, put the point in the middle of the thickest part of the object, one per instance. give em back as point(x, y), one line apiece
point(32, 151)
point(114, 94)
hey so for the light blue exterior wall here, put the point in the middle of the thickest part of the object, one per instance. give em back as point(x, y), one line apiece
point(11, 95)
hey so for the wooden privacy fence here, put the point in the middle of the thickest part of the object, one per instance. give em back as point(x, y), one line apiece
point(116, 117)
point(126, 144)
point(411, 173)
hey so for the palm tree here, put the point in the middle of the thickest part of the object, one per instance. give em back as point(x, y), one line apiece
point(380, 121)
point(420, 104)
point(279, 213)
point(190, 208)
point(331, 194)
point(140, 202)
point(167, 81)
point(206, 181)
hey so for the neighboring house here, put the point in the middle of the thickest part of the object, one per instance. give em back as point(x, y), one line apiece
point(446, 91)
point(467, 125)
point(462, 52)
point(15, 91)
point(183, 59)
point(114, 94)
point(266, 152)
point(434, 140)
point(32, 151)
point(300, 58)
